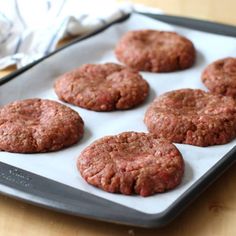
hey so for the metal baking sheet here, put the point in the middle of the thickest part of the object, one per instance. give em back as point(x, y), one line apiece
point(52, 180)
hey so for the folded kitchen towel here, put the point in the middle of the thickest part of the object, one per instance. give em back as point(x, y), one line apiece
point(31, 29)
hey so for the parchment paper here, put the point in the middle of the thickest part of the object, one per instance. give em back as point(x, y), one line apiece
point(61, 165)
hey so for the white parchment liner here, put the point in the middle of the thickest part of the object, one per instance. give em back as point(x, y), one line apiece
point(61, 165)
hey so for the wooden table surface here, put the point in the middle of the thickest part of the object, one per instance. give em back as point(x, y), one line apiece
point(213, 213)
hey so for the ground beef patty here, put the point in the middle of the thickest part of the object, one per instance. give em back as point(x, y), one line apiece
point(155, 51)
point(132, 163)
point(37, 125)
point(220, 77)
point(192, 116)
point(103, 87)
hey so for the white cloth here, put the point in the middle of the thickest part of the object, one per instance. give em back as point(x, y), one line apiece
point(32, 29)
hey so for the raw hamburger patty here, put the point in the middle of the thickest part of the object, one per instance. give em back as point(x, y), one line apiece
point(102, 87)
point(37, 125)
point(220, 77)
point(132, 163)
point(193, 117)
point(155, 51)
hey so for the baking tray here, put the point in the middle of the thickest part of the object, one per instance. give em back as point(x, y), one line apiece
point(39, 190)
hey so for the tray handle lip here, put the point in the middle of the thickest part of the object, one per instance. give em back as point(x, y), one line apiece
point(196, 24)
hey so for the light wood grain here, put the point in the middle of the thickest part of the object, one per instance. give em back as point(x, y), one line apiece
point(212, 214)
point(216, 10)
